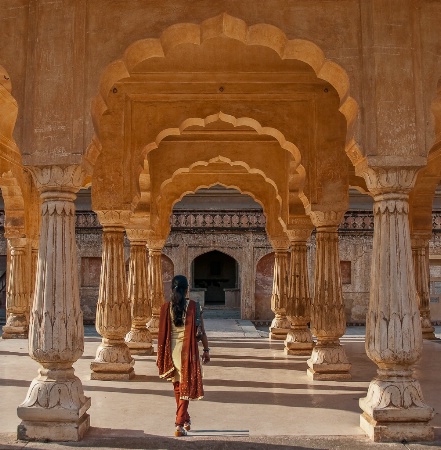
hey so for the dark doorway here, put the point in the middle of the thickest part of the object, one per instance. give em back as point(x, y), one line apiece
point(214, 271)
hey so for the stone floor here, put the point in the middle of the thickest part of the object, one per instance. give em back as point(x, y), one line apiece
point(256, 397)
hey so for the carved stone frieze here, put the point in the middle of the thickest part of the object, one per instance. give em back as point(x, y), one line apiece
point(254, 219)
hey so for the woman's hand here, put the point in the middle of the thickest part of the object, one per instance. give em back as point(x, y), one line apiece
point(205, 356)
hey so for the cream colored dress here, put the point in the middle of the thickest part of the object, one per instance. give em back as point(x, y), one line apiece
point(177, 340)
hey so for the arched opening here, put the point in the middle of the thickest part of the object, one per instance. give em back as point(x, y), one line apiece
point(216, 272)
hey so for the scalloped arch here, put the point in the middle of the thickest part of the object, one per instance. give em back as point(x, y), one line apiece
point(166, 200)
point(227, 118)
point(264, 35)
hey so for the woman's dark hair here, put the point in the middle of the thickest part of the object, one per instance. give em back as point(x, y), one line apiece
point(178, 300)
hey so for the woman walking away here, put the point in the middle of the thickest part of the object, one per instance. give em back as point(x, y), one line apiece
point(180, 327)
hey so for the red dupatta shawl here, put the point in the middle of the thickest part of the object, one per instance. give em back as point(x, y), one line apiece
point(191, 377)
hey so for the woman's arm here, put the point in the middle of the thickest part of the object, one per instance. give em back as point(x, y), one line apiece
point(204, 340)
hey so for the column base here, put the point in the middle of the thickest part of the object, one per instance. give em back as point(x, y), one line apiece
point(153, 327)
point(328, 362)
point(396, 432)
point(54, 409)
point(14, 333)
point(139, 341)
point(53, 431)
point(16, 327)
point(428, 329)
point(113, 361)
point(394, 410)
point(299, 342)
point(279, 329)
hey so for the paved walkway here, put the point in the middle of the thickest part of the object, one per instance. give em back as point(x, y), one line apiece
point(256, 397)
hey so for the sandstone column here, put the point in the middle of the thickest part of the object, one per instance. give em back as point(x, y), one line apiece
point(328, 359)
point(139, 339)
point(155, 282)
point(299, 339)
point(394, 407)
point(280, 325)
point(420, 253)
point(113, 360)
point(18, 291)
point(55, 406)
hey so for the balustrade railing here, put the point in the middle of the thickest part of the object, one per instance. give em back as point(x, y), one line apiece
point(239, 220)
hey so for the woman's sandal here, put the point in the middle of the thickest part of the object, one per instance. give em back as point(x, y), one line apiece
point(187, 425)
point(180, 431)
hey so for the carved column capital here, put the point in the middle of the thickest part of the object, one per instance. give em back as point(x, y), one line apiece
point(326, 219)
point(137, 236)
point(64, 178)
point(420, 239)
point(279, 243)
point(387, 180)
point(299, 235)
point(114, 218)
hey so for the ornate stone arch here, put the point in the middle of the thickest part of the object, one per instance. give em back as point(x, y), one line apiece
point(254, 185)
point(224, 25)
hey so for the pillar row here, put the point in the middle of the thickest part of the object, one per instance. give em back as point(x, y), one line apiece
point(113, 360)
point(55, 405)
point(328, 322)
point(139, 338)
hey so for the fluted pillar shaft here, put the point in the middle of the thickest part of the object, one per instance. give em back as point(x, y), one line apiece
point(113, 360)
point(299, 339)
point(55, 406)
point(139, 339)
point(328, 322)
point(156, 288)
point(420, 254)
point(394, 408)
point(280, 325)
point(18, 292)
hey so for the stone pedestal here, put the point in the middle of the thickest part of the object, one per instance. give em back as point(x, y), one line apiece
point(299, 339)
point(18, 291)
point(394, 408)
point(156, 286)
point(139, 339)
point(113, 360)
point(280, 325)
point(420, 254)
point(328, 359)
point(55, 406)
